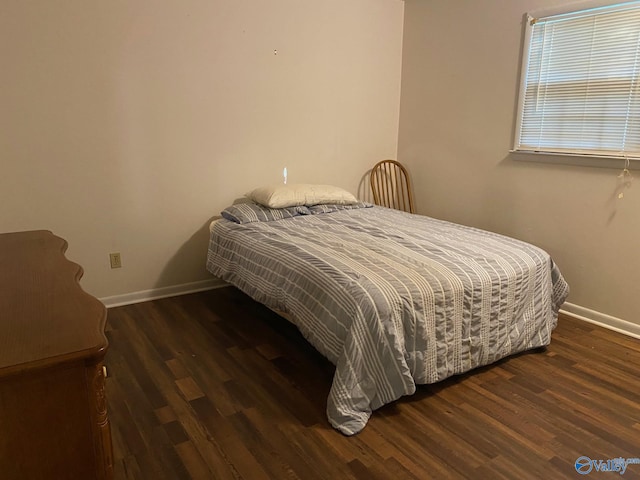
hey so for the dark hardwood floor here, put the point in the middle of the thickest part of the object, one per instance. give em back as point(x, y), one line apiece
point(215, 386)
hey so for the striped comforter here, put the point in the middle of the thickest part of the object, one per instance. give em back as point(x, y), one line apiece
point(392, 299)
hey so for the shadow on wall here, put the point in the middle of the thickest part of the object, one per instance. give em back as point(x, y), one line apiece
point(364, 192)
point(188, 264)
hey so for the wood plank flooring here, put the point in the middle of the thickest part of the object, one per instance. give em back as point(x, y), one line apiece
point(214, 386)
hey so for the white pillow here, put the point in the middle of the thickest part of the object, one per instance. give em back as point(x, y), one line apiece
point(282, 196)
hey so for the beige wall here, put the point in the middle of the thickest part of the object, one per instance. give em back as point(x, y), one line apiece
point(125, 126)
point(460, 73)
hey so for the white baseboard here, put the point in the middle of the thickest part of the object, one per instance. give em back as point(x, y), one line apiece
point(163, 292)
point(601, 319)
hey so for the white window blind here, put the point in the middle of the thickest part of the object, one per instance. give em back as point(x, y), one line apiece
point(580, 91)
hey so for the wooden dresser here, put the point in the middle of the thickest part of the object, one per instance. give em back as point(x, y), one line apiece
point(53, 415)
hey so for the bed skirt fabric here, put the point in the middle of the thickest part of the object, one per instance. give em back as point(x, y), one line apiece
point(392, 299)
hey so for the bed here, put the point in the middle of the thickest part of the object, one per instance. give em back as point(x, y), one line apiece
point(392, 299)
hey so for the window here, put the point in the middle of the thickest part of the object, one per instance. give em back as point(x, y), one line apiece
point(580, 90)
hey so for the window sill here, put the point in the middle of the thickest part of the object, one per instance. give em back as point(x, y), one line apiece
point(575, 159)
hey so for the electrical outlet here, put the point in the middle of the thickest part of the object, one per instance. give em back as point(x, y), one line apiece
point(116, 260)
